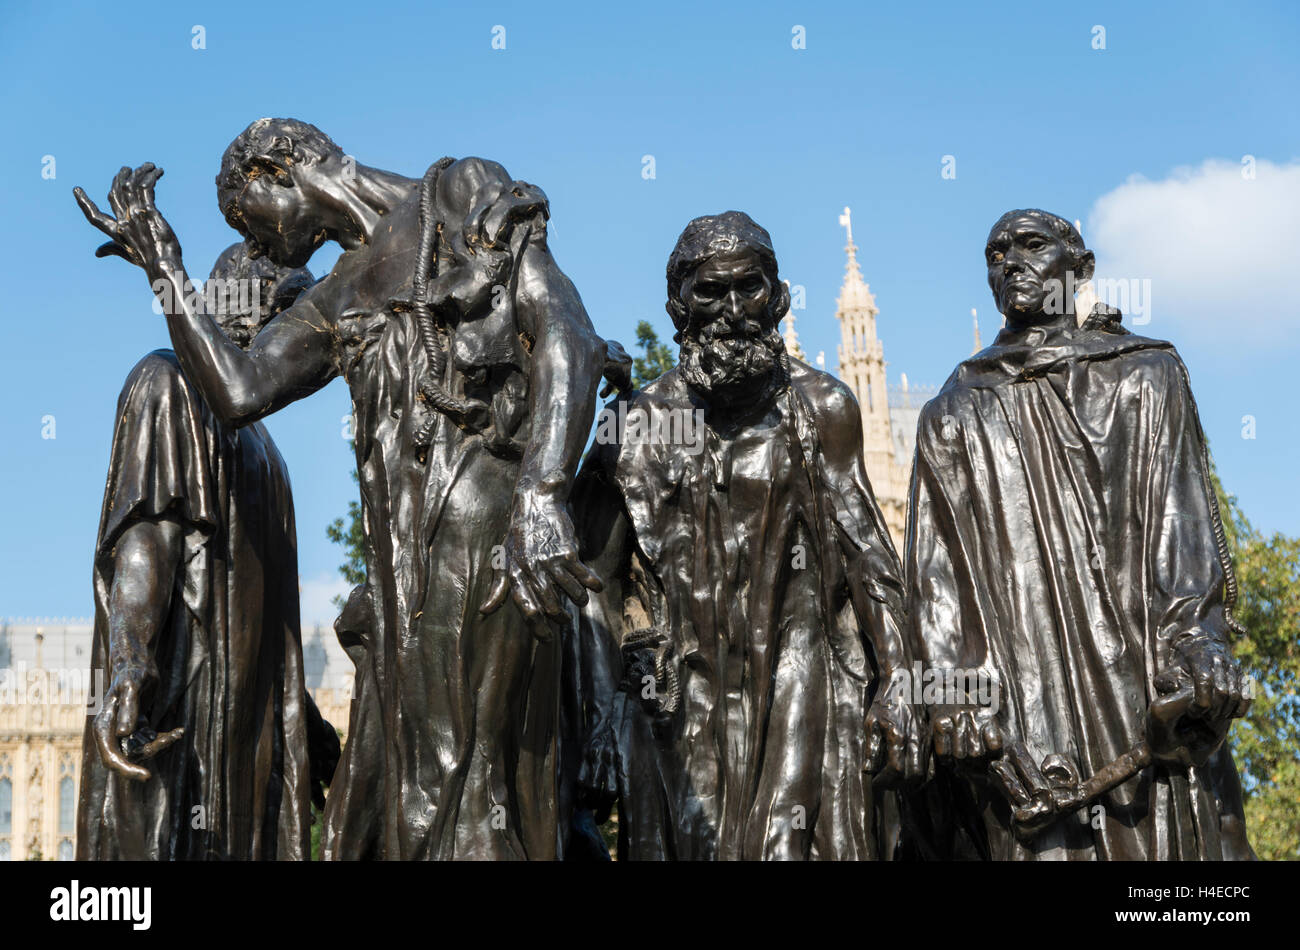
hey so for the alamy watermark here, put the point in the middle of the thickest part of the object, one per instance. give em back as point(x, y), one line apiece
point(1131, 296)
point(923, 685)
point(679, 427)
point(20, 686)
point(231, 295)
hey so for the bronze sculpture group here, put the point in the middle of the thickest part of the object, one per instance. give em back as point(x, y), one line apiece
point(704, 623)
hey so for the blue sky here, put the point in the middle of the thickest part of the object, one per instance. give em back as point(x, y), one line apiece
point(1143, 141)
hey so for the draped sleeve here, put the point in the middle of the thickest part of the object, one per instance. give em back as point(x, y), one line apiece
point(1186, 569)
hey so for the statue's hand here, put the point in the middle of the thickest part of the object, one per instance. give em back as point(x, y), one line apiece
point(119, 731)
point(1197, 697)
point(137, 231)
point(965, 734)
point(476, 283)
point(541, 561)
point(618, 369)
point(1220, 690)
point(522, 202)
point(896, 741)
point(1037, 794)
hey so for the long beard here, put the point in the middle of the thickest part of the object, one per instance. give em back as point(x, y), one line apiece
point(727, 367)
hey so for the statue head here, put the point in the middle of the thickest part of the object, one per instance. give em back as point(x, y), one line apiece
point(1035, 259)
point(246, 292)
point(266, 188)
point(726, 300)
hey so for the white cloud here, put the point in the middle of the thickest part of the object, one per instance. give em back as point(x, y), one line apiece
point(315, 598)
point(1221, 250)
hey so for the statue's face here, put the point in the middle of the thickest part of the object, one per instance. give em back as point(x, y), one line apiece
point(729, 295)
point(1024, 256)
point(730, 343)
point(280, 219)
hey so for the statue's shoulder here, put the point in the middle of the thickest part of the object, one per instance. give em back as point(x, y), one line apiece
point(665, 392)
point(1159, 356)
point(954, 394)
point(160, 362)
point(156, 393)
point(159, 370)
point(824, 393)
point(1125, 357)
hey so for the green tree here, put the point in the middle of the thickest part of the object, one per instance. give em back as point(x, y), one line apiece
point(350, 533)
point(1266, 744)
point(656, 358)
point(317, 825)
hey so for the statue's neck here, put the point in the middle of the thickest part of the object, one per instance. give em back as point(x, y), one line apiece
point(363, 202)
point(1018, 323)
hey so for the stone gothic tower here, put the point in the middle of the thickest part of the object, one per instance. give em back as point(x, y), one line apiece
point(862, 367)
point(792, 338)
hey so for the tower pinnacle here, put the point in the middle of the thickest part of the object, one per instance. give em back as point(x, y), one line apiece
point(854, 294)
point(863, 369)
point(791, 338)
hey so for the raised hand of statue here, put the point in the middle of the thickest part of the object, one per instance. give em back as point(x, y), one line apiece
point(119, 732)
point(896, 746)
point(541, 560)
point(137, 231)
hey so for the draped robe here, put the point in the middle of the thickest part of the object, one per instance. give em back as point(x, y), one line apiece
point(452, 745)
point(765, 571)
point(1061, 535)
point(229, 655)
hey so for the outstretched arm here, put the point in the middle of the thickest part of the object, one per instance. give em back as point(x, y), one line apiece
point(292, 356)
point(145, 559)
point(567, 361)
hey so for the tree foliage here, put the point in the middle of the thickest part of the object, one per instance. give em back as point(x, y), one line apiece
point(1266, 744)
point(351, 534)
point(656, 358)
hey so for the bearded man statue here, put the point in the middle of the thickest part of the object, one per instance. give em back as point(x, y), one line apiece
point(734, 669)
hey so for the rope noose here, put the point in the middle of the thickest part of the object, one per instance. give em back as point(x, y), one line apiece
point(431, 388)
point(1230, 590)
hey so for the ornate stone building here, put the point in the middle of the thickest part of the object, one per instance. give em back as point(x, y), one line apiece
point(889, 413)
point(45, 686)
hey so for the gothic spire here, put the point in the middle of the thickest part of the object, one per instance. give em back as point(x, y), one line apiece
point(791, 338)
point(854, 294)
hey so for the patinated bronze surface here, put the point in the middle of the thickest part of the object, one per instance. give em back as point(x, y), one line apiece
point(1064, 540)
point(737, 669)
point(733, 667)
point(201, 750)
point(473, 370)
